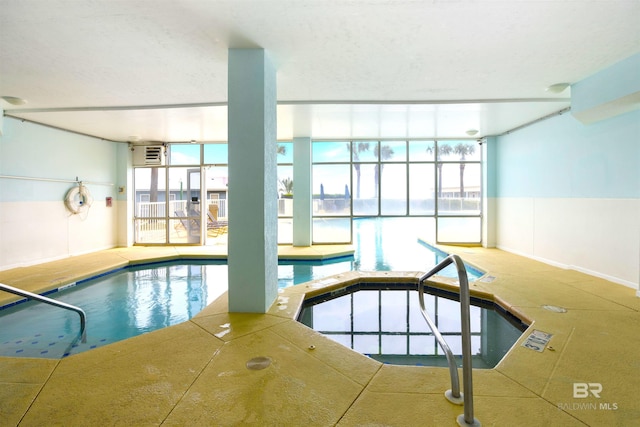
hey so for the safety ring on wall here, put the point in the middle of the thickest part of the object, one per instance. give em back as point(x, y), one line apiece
point(78, 199)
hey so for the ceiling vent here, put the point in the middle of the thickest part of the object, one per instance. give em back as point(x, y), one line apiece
point(148, 155)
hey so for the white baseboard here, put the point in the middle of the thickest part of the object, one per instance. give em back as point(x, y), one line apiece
point(575, 268)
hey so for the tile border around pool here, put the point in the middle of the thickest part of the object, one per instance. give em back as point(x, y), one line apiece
point(326, 285)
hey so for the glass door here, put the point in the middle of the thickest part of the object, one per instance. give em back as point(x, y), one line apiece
point(150, 196)
point(216, 213)
point(185, 211)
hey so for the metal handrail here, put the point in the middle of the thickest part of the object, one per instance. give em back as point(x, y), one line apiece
point(31, 295)
point(454, 394)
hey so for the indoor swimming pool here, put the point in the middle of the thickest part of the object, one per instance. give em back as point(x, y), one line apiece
point(143, 298)
point(119, 305)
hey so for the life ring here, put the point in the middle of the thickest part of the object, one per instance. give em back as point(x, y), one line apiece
point(78, 199)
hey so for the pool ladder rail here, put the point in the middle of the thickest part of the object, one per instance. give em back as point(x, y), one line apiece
point(454, 395)
point(31, 295)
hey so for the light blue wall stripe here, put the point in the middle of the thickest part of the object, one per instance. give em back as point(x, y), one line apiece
point(619, 80)
point(32, 150)
point(561, 158)
point(489, 149)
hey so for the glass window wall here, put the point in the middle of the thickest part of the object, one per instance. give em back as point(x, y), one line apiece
point(365, 189)
point(216, 154)
point(184, 154)
point(150, 213)
point(185, 202)
point(216, 185)
point(436, 180)
point(421, 189)
point(393, 189)
point(185, 207)
point(285, 192)
point(331, 152)
point(401, 179)
point(331, 195)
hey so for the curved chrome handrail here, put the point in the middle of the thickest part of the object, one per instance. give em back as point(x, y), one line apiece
point(453, 395)
point(31, 295)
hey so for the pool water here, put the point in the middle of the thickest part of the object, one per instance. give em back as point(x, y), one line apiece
point(385, 323)
point(380, 244)
point(139, 299)
point(120, 305)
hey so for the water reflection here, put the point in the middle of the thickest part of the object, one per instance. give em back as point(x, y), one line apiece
point(385, 244)
point(387, 325)
point(118, 306)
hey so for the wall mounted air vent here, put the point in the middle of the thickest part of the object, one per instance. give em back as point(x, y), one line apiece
point(148, 155)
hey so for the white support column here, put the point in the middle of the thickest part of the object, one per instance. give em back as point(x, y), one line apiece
point(489, 190)
point(253, 220)
point(302, 192)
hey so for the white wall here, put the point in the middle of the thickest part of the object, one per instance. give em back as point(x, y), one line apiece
point(124, 192)
point(569, 194)
point(34, 223)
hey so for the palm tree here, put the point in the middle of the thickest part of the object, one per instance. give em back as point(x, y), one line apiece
point(286, 185)
point(153, 190)
point(383, 153)
point(463, 150)
point(356, 149)
point(443, 150)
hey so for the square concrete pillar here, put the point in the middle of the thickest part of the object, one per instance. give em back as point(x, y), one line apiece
point(302, 192)
point(253, 215)
point(489, 197)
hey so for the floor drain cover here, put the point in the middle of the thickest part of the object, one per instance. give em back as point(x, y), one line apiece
point(258, 363)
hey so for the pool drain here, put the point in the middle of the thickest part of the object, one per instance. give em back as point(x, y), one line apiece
point(258, 363)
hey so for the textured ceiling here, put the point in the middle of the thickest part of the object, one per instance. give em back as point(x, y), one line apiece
point(414, 68)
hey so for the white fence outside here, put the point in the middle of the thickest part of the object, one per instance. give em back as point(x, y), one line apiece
point(158, 209)
point(285, 206)
point(151, 223)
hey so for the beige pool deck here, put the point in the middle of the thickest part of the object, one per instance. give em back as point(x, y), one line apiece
point(195, 373)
